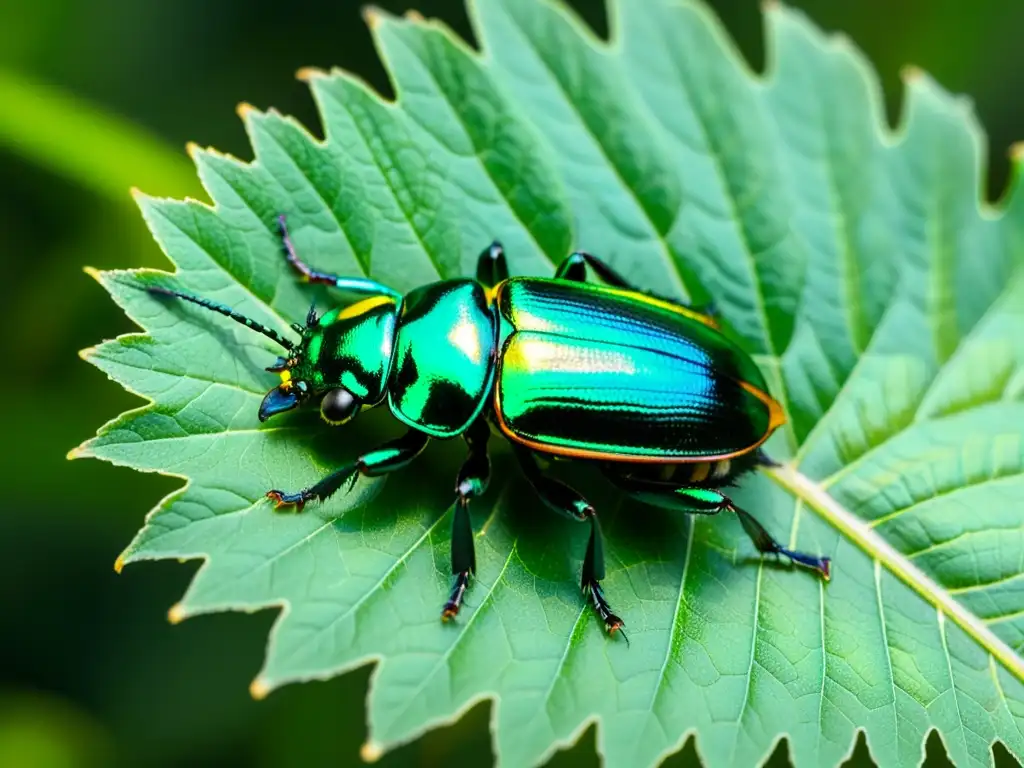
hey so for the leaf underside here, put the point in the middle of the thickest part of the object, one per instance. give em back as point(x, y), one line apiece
point(882, 298)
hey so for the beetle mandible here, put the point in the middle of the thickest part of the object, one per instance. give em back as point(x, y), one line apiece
point(646, 389)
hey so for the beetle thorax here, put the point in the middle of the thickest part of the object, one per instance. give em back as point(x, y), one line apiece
point(350, 347)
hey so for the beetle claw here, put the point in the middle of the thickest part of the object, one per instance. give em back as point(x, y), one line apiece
point(451, 608)
point(282, 500)
point(614, 624)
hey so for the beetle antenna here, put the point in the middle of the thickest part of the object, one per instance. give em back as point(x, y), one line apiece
point(223, 310)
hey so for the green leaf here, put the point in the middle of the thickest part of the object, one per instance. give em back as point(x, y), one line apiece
point(885, 301)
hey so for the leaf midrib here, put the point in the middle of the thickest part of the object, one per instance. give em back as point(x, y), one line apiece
point(854, 530)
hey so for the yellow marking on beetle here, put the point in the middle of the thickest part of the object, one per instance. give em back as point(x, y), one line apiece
point(776, 416)
point(286, 379)
point(678, 309)
point(721, 468)
point(700, 471)
point(491, 294)
point(364, 306)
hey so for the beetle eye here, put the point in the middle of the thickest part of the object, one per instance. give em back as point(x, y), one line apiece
point(338, 406)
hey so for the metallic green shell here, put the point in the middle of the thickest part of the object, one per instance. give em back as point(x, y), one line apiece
point(444, 357)
point(604, 373)
point(351, 347)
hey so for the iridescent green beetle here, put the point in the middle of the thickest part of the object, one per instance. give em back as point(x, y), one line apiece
point(647, 390)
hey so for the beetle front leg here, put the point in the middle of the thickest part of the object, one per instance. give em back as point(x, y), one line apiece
point(565, 501)
point(472, 481)
point(574, 267)
point(393, 455)
point(710, 501)
point(307, 274)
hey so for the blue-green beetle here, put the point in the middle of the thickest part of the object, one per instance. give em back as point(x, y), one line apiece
point(647, 390)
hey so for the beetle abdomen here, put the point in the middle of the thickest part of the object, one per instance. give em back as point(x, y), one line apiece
point(600, 373)
point(444, 357)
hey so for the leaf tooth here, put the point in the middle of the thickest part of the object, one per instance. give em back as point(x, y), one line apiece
point(259, 688)
point(244, 109)
point(911, 73)
point(308, 74)
point(371, 752)
point(80, 451)
point(373, 16)
point(177, 614)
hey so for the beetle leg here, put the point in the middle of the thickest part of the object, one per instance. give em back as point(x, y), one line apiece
point(492, 266)
point(565, 501)
point(307, 274)
point(472, 482)
point(709, 501)
point(393, 455)
point(574, 267)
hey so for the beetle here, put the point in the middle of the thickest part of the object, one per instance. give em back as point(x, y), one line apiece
point(646, 389)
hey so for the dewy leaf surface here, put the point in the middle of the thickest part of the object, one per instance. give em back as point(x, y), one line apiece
point(884, 301)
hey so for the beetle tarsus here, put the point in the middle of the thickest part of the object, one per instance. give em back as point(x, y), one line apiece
point(451, 608)
point(472, 481)
point(612, 623)
point(766, 545)
point(282, 499)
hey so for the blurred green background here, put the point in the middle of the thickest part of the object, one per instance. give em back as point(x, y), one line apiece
point(98, 96)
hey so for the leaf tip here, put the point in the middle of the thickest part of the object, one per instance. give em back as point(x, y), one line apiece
point(911, 73)
point(244, 109)
point(94, 273)
point(770, 6)
point(1017, 152)
point(192, 149)
point(259, 688)
point(309, 74)
point(78, 452)
point(373, 16)
point(370, 752)
point(176, 614)
point(119, 564)
point(414, 16)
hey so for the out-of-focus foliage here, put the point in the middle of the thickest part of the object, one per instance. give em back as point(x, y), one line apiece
point(91, 642)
